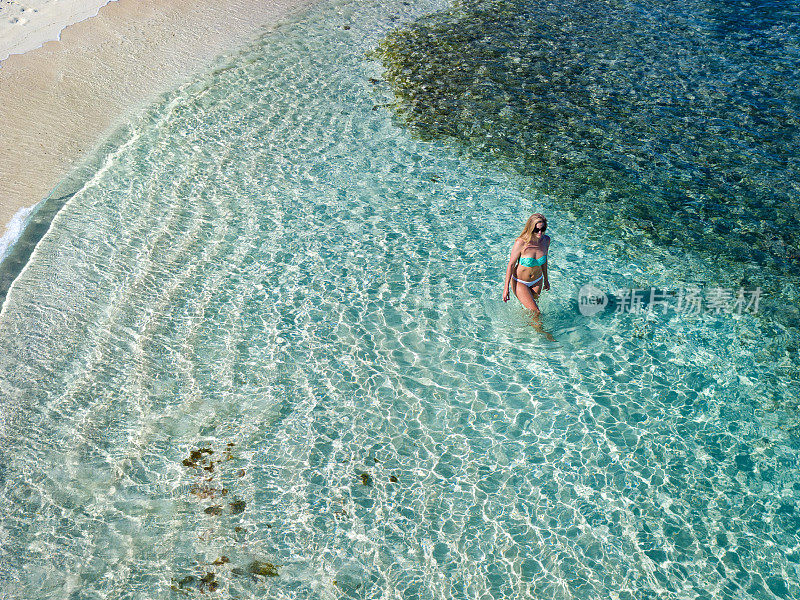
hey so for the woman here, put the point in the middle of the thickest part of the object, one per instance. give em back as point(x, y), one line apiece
point(527, 267)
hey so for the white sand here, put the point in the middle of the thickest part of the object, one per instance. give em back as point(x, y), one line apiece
point(58, 101)
point(27, 24)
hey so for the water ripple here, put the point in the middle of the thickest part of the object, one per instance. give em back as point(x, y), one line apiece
point(262, 352)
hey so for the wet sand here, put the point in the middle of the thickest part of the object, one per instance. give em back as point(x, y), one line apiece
point(27, 24)
point(59, 101)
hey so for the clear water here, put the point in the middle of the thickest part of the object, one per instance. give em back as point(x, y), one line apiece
point(266, 267)
point(678, 122)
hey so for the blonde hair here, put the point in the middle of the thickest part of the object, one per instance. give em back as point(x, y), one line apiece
point(533, 220)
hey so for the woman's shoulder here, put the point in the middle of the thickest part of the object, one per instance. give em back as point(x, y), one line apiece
point(546, 240)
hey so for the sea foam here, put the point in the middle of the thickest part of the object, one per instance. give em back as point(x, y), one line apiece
point(27, 24)
point(14, 230)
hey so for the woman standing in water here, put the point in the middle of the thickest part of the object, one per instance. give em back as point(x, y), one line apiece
point(527, 267)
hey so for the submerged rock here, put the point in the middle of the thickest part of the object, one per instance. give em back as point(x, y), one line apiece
point(265, 569)
point(208, 582)
point(189, 581)
point(195, 456)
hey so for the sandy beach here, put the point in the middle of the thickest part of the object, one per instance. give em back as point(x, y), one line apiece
point(27, 24)
point(60, 98)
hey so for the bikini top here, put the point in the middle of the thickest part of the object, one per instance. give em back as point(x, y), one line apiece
point(529, 261)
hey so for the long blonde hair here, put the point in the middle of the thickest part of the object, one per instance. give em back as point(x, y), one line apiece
point(527, 233)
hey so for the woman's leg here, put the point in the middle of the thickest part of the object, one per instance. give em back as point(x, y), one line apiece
point(528, 299)
point(525, 296)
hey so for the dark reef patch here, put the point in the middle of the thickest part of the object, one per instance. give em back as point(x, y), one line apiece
point(678, 122)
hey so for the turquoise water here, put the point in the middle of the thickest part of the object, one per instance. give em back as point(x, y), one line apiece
point(675, 121)
point(261, 351)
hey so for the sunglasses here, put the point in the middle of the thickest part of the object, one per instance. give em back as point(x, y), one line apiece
point(537, 229)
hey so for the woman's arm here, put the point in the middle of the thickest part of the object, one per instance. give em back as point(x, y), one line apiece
point(546, 282)
point(516, 250)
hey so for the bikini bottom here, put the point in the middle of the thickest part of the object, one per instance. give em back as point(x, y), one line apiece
point(529, 284)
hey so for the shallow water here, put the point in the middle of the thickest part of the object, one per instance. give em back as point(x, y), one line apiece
point(268, 328)
point(674, 121)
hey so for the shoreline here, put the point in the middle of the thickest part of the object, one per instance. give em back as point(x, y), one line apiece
point(60, 100)
point(27, 24)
